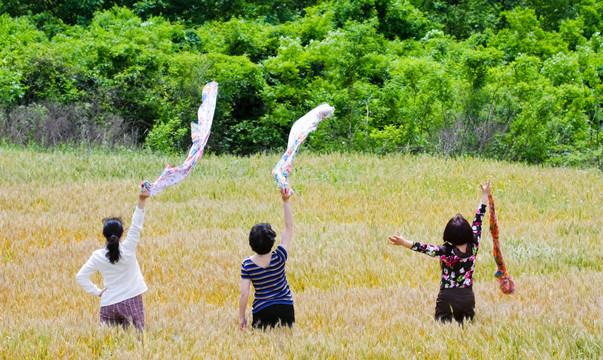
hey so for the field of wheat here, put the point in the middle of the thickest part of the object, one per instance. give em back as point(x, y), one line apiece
point(355, 295)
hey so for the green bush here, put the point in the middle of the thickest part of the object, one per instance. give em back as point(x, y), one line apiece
point(518, 80)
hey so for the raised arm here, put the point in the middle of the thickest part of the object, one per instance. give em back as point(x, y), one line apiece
point(133, 235)
point(486, 190)
point(481, 210)
point(288, 232)
point(142, 198)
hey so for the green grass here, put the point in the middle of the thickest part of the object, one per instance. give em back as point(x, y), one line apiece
point(355, 295)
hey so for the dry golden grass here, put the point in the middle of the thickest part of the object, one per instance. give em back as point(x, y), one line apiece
point(355, 295)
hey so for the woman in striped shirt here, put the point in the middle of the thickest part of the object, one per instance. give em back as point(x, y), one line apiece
point(273, 303)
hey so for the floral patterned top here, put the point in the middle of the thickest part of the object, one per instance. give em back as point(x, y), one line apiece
point(457, 267)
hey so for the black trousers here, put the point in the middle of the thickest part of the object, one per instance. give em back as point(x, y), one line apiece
point(455, 303)
point(273, 315)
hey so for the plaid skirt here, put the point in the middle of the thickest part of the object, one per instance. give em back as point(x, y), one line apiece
point(124, 313)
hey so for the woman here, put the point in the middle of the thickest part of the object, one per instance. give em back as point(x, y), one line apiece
point(121, 297)
point(457, 260)
point(273, 302)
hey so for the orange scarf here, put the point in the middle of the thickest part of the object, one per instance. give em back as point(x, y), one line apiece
point(507, 286)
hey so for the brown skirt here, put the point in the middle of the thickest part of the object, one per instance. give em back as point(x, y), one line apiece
point(455, 303)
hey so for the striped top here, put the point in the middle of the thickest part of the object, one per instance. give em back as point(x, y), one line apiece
point(270, 283)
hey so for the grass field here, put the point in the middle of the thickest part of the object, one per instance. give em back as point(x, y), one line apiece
point(355, 295)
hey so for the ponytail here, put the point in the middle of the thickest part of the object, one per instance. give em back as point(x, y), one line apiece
point(112, 230)
point(113, 252)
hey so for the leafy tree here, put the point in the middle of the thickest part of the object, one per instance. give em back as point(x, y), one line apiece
point(572, 32)
point(20, 39)
point(552, 12)
point(512, 79)
point(461, 19)
point(416, 99)
point(355, 73)
point(524, 35)
point(591, 12)
point(393, 18)
point(238, 107)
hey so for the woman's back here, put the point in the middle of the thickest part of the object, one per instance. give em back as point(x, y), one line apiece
point(123, 278)
point(270, 283)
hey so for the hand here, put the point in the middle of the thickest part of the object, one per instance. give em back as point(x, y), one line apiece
point(486, 189)
point(286, 193)
point(144, 194)
point(102, 291)
point(396, 239)
point(242, 323)
point(399, 240)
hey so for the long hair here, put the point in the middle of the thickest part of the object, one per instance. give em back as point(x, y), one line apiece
point(112, 230)
point(458, 231)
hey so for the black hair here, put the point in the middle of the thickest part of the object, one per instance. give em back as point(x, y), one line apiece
point(458, 231)
point(261, 238)
point(113, 230)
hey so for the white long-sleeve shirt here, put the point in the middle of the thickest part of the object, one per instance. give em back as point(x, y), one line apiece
point(123, 279)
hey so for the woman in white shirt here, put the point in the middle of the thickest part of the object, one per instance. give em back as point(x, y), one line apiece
point(121, 297)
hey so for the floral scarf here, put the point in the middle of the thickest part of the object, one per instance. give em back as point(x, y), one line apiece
point(299, 132)
point(199, 133)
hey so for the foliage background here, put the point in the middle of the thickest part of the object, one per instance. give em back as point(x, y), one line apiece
point(518, 80)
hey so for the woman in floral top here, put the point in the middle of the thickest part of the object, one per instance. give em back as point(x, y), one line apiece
point(457, 260)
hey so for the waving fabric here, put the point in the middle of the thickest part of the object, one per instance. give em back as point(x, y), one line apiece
point(299, 132)
point(507, 286)
point(199, 133)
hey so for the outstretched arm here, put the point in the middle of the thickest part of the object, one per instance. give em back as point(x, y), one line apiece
point(288, 232)
point(400, 240)
point(431, 250)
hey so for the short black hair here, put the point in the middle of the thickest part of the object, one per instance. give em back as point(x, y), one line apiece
point(261, 238)
point(458, 231)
